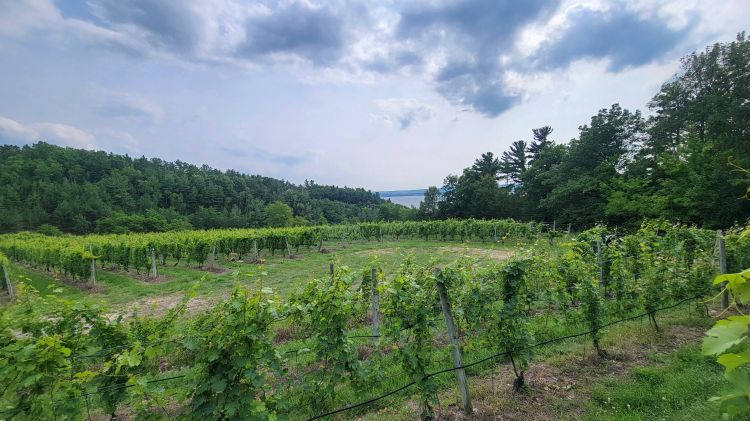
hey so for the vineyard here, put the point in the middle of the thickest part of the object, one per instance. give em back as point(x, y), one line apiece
point(72, 256)
point(350, 342)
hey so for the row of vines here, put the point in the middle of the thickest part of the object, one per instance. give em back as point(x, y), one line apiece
point(253, 356)
point(72, 255)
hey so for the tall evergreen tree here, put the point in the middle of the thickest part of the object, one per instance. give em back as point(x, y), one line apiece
point(541, 141)
point(513, 162)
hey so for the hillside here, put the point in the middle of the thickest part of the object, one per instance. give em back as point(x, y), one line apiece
point(83, 191)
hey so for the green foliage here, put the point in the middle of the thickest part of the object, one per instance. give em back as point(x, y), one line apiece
point(323, 308)
point(82, 191)
point(71, 256)
point(233, 369)
point(365, 288)
point(509, 328)
point(727, 340)
point(278, 214)
point(49, 230)
point(592, 310)
point(237, 366)
point(409, 306)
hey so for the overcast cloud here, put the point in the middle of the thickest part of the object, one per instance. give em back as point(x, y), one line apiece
point(380, 94)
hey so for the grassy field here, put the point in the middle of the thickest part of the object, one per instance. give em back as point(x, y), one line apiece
point(119, 290)
point(649, 375)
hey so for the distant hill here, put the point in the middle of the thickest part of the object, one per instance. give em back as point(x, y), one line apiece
point(82, 191)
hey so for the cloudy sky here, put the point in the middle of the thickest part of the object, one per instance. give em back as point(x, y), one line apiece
point(383, 94)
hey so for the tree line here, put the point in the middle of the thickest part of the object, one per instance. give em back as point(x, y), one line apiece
point(51, 188)
point(681, 162)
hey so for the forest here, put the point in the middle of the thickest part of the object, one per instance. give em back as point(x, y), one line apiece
point(683, 162)
point(78, 191)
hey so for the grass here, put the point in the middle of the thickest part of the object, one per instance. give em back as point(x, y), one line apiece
point(676, 387)
point(118, 290)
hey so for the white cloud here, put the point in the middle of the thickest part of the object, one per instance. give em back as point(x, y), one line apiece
point(17, 18)
point(40, 19)
point(14, 132)
point(64, 134)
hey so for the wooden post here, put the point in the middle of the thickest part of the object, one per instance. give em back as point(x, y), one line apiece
point(375, 303)
point(600, 262)
point(212, 259)
point(569, 227)
point(722, 266)
point(288, 252)
point(495, 235)
point(154, 274)
point(320, 243)
point(255, 252)
point(453, 336)
point(92, 282)
point(8, 285)
point(330, 268)
point(554, 225)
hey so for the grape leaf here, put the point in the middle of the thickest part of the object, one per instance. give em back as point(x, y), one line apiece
point(725, 334)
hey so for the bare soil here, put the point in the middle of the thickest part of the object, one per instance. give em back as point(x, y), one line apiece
point(156, 306)
point(377, 252)
point(477, 252)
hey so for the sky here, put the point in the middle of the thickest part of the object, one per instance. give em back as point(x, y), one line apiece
point(381, 94)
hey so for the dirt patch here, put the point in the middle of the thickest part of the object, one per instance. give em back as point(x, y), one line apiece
point(157, 306)
point(284, 334)
point(477, 252)
point(294, 256)
point(376, 252)
point(80, 285)
point(259, 261)
point(364, 352)
point(214, 269)
point(141, 276)
point(145, 277)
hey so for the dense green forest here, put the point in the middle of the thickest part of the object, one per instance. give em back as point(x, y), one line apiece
point(83, 191)
point(683, 162)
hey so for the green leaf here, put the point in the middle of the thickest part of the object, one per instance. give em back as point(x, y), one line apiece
point(740, 379)
point(730, 361)
point(741, 292)
point(133, 359)
point(732, 279)
point(218, 384)
point(725, 334)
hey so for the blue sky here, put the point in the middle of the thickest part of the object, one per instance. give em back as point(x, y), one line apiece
point(380, 94)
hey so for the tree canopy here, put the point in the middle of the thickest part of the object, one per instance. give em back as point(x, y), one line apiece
point(679, 162)
point(83, 191)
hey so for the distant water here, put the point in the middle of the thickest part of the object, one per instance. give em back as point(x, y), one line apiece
point(404, 197)
point(415, 196)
